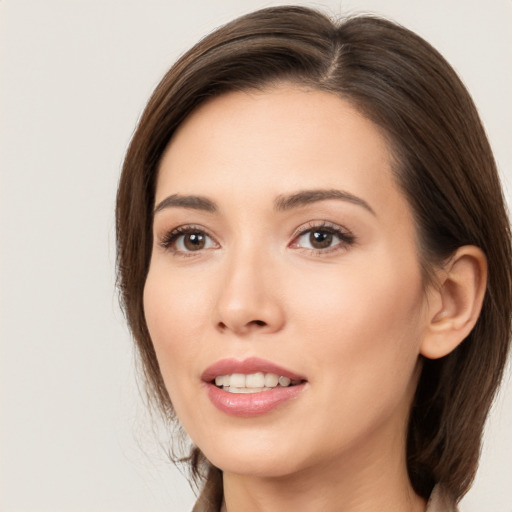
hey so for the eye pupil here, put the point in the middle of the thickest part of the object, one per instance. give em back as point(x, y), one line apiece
point(320, 239)
point(194, 241)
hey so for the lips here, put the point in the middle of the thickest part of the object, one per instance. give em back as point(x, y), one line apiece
point(247, 402)
point(247, 366)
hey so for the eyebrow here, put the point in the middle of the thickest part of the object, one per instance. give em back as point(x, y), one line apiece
point(306, 197)
point(192, 202)
point(281, 203)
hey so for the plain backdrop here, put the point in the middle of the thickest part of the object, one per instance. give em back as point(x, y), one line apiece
point(74, 78)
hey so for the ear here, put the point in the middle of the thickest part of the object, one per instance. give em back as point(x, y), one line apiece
point(455, 303)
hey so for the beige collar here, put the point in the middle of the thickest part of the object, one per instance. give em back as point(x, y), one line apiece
point(439, 501)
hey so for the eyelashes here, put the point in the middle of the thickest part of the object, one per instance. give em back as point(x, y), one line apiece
point(322, 238)
point(188, 239)
point(314, 238)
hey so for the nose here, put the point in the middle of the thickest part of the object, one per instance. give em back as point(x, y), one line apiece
point(249, 299)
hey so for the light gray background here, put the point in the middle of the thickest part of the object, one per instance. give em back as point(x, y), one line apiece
point(74, 78)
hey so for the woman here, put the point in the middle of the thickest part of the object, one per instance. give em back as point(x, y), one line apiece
point(314, 258)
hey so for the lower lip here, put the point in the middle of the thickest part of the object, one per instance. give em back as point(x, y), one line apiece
point(251, 404)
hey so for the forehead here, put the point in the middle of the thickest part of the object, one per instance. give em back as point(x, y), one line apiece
point(265, 143)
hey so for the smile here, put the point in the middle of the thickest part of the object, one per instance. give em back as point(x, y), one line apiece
point(253, 382)
point(251, 387)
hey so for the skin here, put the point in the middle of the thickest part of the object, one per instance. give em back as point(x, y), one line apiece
point(352, 319)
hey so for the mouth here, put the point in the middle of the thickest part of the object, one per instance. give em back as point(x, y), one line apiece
point(253, 382)
point(251, 387)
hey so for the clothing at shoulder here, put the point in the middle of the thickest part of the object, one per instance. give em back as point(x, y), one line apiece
point(439, 501)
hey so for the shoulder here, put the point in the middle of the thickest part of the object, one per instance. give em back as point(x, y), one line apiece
point(441, 501)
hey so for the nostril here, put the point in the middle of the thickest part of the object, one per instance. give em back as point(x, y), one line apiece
point(242, 327)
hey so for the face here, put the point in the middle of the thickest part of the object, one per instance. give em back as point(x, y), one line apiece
point(284, 268)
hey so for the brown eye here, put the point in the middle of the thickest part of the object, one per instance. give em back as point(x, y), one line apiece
point(320, 239)
point(324, 239)
point(194, 241)
point(188, 239)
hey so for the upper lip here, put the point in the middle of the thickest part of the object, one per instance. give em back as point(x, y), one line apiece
point(247, 366)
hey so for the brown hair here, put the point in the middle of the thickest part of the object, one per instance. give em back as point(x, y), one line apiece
point(443, 162)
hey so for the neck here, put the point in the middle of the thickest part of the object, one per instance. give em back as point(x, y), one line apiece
point(368, 480)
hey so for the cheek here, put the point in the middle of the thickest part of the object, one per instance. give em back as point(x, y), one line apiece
point(175, 314)
point(360, 334)
point(369, 296)
point(365, 324)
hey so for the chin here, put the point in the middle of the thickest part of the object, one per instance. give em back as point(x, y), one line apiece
point(262, 468)
point(253, 458)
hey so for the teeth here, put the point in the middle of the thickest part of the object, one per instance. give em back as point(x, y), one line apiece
point(237, 380)
point(271, 380)
point(252, 383)
point(255, 380)
point(246, 390)
point(284, 381)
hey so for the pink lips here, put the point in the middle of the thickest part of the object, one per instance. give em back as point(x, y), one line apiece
point(253, 404)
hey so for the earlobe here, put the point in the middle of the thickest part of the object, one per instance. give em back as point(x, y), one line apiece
point(456, 302)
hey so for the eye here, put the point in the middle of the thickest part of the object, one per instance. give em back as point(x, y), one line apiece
point(317, 239)
point(323, 238)
point(188, 239)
